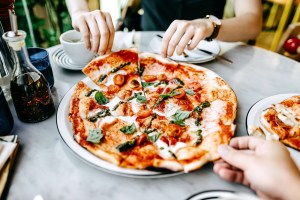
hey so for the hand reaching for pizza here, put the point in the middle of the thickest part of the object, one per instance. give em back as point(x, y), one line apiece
point(182, 33)
point(97, 29)
point(264, 166)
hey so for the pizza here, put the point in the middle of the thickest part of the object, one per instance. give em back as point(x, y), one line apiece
point(149, 112)
point(283, 121)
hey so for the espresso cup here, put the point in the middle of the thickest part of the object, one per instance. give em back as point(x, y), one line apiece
point(74, 47)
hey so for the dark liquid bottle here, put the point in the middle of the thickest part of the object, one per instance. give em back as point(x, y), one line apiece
point(6, 119)
point(29, 89)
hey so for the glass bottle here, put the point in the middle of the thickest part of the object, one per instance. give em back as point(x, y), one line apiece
point(6, 119)
point(6, 65)
point(29, 89)
point(5, 6)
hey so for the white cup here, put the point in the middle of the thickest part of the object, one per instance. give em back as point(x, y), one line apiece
point(74, 46)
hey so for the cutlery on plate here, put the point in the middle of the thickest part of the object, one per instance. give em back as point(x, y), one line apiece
point(215, 55)
point(207, 52)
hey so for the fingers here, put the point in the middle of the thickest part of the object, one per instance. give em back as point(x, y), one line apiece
point(97, 30)
point(84, 29)
point(229, 173)
point(234, 157)
point(246, 142)
point(182, 33)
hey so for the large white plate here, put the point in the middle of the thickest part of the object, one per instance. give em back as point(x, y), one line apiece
point(66, 133)
point(253, 117)
point(222, 194)
point(194, 56)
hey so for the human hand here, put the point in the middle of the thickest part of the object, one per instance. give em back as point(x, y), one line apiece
point(182, 33)
point(264, 166)
point(97, 30)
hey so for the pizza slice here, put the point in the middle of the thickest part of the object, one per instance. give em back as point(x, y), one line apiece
point(283, 121)
point(117, 75)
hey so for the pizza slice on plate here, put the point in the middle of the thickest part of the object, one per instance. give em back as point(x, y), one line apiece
point(283, 120)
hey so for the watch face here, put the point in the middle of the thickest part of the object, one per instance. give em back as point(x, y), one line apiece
point(216, 20)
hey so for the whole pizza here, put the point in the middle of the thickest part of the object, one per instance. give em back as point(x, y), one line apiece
point(150, 112)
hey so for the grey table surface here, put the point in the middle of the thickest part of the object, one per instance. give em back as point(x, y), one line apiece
point(46, 166)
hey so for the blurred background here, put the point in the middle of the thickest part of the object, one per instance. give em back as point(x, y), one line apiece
point(45, 20)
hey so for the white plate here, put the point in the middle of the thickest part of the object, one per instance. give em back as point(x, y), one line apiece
point(222, 194)
point(66, 133)
point(194, 56)
point(253, 117)
point(62, 60)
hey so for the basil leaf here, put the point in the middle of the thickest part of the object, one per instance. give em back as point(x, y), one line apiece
point(180, 116)
point(90, 92)
point(119, 67)
point(203, 105)
point(128, 129)
point(101, 114)
point(140, 98)
point(145, 84)
point(102, 77)
point(190, 92)
point(154, 137)
point(94, 136)
point(200, 137)
point(100, 98)
point(178, 81)
point(126, 146)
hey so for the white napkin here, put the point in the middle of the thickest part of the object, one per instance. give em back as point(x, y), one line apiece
point(8, 149)
point(123, 40)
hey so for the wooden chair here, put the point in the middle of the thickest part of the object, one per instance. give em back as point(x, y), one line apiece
point(287, 10)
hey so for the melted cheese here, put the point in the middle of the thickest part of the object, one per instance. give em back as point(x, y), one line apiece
point(286, 115)
point(109, 119)
point(211, 117)
point(112, 103)
point(192, 126)
point(164, 149)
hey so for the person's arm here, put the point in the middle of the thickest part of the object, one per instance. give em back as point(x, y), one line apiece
point(245, 25)
point(264, 166)
point(96, 26)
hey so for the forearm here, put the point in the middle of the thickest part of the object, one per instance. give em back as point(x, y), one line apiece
point(244, 27)
point(77, 6)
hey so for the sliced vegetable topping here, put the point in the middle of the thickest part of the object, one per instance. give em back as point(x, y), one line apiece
point(126, 145)
point(102, 77)
point(101, 114)
point(200, 137)
point(94, 136)
point(163, 97)
point(90, 92)
point(139, 97)
point(119, 67)
point(203, 105)
point(116, 106)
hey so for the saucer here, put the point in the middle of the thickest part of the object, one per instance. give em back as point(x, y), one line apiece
point(61, 59)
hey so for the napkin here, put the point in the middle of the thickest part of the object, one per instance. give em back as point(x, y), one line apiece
point(8, 150)
point(123, 40)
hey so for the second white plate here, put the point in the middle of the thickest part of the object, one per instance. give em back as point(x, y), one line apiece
point(254, 113)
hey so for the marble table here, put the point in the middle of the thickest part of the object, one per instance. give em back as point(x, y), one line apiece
point(46, 166)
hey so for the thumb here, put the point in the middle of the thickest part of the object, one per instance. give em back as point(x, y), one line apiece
point(234, 157)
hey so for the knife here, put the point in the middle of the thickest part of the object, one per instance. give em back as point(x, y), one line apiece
point(215, 55)
point(208, 53)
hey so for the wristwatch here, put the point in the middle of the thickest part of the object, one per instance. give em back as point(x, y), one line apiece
point(217, 25)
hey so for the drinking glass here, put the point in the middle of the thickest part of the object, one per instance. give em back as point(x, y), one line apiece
point(40, 59)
